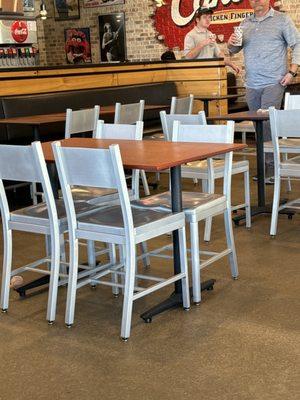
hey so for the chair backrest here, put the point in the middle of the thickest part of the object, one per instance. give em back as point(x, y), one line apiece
point(129, 113)
point(209, 134)
point(26, 164)
point(119, 131)
point(80, 121)
point(124, 132)
point(167, 121)
point(99, 168)
point(291, 101)
point(182, 105)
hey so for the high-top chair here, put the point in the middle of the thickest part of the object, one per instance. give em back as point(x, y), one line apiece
point(78, 121)
point(198, 170)
point(182, 105)
point(130, 114)
point(287, 146)
point(125, 132)
point(284, 123)
point(27, 164)
point(200, 206)
point(117, 224)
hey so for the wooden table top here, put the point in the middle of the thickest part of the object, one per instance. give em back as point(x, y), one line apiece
point(150, 155)
point(218, 97)
point(241, 116)
point(36, 120)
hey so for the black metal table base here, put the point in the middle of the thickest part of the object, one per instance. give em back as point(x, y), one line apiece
point(174, 301)
point(44, 280)
point(262, 210)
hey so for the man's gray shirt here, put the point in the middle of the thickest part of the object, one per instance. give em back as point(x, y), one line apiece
point(265, 44)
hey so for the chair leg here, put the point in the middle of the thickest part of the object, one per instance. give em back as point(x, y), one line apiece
point(113, 261)
point(122, 261)
point(208, 221)
point(247, 198)
point(130, 262)
point(275, 207)
point(184, 269)
point(230, 243)
point(6, 273)
point(91, 253)
point(145, 183)
point(33, 190)
point(288, 182)
point(157, 177)
point(63, 258)
point(144, 250)
point(53, 284)
point(72, 282)
point(195, 262)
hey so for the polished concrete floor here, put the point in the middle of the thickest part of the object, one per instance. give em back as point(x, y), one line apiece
point(241, 343)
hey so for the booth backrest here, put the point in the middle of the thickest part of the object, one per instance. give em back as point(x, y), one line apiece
point(158, 93)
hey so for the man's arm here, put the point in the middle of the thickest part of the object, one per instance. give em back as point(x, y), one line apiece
point(292, 37)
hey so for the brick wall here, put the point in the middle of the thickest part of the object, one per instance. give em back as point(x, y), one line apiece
point(140, 33)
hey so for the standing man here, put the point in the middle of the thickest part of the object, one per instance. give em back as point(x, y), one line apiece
point(201, 43)
point(266, 37)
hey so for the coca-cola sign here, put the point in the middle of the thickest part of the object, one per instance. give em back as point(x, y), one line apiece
point(175, 18)
point(19, 31)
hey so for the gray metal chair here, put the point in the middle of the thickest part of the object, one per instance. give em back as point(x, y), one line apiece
point(284, 123)
point(198, 170)
point(287, 146)
point(200, 206)
point(182, 105)
point(120, 225)
point(130, 114)
point(81, 121)
point(27, 164)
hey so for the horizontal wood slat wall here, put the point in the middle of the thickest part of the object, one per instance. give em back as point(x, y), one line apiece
point(197, 77)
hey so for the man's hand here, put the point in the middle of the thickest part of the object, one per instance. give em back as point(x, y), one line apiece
point(207, 42)
point(236, 68)
point(233, 40)
point(286, 80)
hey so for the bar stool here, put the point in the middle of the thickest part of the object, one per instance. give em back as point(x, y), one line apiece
point(198, 170)
point(130, 114)
point(27, 164)
point(200, 206)
point(120, 225)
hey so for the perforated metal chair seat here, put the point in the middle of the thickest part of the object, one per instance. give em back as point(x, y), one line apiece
point(290, 167)
point(200, 167)
point(110, 221)
point(194, 204)
point(38, 214)
point(285, 146)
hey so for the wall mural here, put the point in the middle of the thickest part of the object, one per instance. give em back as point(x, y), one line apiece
point(173, 19)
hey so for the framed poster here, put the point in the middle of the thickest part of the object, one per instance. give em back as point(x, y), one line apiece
point(66, 9)
point(101, 3)
point(28, 5)
point(112, 37)
point(78, 45)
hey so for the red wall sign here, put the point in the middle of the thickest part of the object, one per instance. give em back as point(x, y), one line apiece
point(19, 31)
point(176, 18)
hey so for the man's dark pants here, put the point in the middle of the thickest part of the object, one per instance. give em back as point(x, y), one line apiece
point(269, 96)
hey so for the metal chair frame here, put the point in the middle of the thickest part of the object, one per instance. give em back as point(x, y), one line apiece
point(284, 123)
point(103, 168)
point(201, 206)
